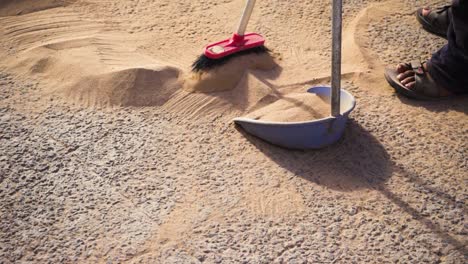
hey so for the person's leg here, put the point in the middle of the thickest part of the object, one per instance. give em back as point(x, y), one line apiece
point(446, 72)
point(449, 66)
point(412, 80)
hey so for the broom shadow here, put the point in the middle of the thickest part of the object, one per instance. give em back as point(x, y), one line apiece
point(238, 98)
point(276, 94)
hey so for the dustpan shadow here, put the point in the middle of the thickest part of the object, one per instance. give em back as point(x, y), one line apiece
point(357, 161)
point(442, 232)
point(416, 211)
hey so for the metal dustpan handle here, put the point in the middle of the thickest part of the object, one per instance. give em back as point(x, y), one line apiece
point(336, 57)
point(336, 48)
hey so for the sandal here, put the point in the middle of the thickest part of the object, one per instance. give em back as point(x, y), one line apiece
point(425, 87)
point(437, 21)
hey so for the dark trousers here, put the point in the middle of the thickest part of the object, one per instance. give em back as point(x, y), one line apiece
point(449, 66)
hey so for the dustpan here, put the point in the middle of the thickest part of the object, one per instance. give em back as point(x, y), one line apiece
point(318, 133)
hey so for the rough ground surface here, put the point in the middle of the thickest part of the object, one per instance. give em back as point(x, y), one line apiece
point(148, 185)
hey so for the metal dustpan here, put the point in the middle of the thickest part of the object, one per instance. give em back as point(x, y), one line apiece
point(315, 133)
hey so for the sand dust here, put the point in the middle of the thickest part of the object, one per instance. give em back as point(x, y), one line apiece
point(228, 76)
point(274, 202)
point(294, 107)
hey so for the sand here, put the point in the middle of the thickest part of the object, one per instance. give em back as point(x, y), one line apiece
point(120, 57)
point(112, 151)
point(294, 107)
point(129, 87)
point(21, 7)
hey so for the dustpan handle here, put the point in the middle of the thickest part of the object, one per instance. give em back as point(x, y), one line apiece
point(245, 17)
point(336, 57)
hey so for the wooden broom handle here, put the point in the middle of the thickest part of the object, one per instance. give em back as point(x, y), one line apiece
point(245, 17)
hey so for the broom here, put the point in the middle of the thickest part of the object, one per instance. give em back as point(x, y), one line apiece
point(219, 53)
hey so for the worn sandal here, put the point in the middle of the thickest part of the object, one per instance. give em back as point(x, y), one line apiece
point(425, 87)
point(437, 21)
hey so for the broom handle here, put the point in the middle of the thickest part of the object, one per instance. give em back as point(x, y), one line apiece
point(245, 17)
point(336, 57)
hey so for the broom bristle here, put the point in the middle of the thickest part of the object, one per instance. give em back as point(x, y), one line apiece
point(203, 63)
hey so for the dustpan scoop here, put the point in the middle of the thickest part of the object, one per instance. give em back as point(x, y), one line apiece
point(312, 134)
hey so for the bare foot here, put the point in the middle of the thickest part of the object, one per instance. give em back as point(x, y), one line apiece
point(406, 77)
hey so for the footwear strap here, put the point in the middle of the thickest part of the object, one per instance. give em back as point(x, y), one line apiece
point(417, 67)
point(424, 82)
point(442, 9)
point(438, 17)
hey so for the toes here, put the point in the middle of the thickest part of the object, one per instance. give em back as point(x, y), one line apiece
point(426, 11)
point(402, 67)
point(411, 84)
point(407, 80)
point(404, 75)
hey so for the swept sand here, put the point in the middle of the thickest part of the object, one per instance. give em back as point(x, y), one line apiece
point(112, 151)
point(21, 7)
point(294, 107)
point(117, 58)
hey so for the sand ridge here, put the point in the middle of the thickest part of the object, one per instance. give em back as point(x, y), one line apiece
point(21, 7)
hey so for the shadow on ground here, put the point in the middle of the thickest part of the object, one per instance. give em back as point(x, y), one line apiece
point(357, 161)
point(458, 104)
point(426, 221)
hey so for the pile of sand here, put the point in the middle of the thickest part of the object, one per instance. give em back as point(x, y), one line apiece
point(21, 7)
point(129, 87)
point(294, 107)
point(78, 63)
